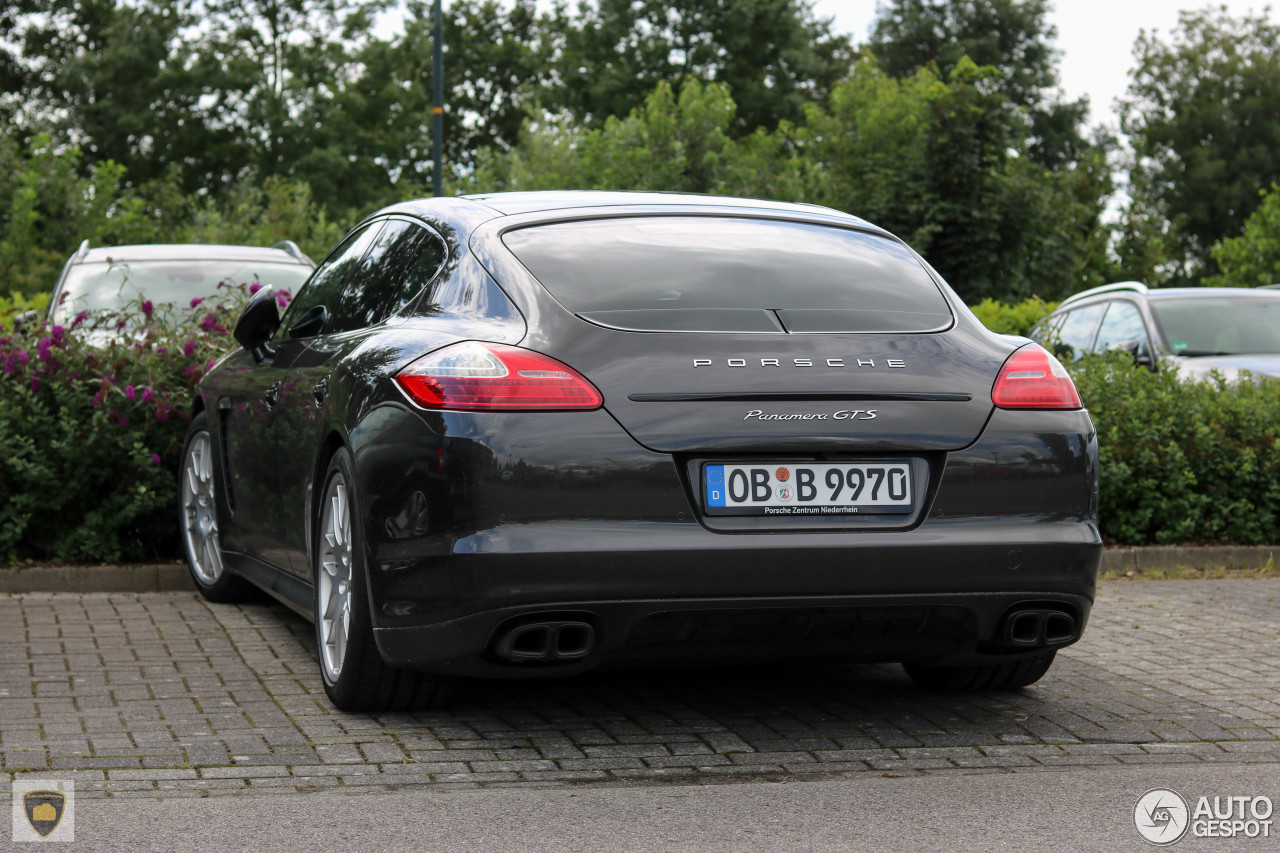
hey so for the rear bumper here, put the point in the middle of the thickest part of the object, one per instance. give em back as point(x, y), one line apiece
point(477, 523)
point(939, 595)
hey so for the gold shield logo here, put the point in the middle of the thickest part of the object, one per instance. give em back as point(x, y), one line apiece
point(44, 810)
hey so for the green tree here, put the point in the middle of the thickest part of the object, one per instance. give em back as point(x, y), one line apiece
point(117, 79)
point(1253, 258)
point(1012, 36)
point(774, 56)
point(1203, 114)
point(942, 163)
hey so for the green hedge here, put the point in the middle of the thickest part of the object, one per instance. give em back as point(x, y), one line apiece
point(1012, 319)
point(1183, 461)
point(93, 417)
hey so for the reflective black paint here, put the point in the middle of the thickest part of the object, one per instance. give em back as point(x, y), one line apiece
point(473, 519)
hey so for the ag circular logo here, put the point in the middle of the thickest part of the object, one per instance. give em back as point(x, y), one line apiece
point(1161, 816)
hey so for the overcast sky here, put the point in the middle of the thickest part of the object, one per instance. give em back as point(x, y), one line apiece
point(1095, 38)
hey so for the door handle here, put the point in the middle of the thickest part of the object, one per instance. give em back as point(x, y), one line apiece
point(272, 394)
point(321, 390)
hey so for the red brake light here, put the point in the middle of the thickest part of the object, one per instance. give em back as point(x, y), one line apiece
point(492, 377)
point(1034, 379)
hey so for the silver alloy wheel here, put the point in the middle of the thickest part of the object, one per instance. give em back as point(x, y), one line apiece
point(333, 582)
point(199, 518)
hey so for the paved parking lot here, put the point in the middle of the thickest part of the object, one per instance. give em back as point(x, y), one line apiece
point(144, 694)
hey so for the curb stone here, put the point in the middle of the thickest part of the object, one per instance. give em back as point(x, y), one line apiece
point(161, 577)
point(173, 577)
point(1171, 557)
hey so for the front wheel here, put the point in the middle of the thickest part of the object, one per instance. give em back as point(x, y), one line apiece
point(355, 676)
point(198, 518)
point(994, 677)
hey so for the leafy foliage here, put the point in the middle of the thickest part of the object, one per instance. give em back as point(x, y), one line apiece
point(1253, 258)
point(1013, 319)
point(1183, 461)
point(1204, 117)
point(94, 416)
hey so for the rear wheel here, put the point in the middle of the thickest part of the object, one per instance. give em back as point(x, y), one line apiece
point(1009, 675)
point(354, 674)
point(198, 518)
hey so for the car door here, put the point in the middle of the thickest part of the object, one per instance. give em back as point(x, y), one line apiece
point(401, 260)
point(260, 449)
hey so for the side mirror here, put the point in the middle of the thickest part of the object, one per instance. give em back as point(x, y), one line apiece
point(1138, 349)
point(257, 322)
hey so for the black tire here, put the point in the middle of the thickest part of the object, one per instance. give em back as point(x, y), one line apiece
point(198, 519)
point(355, 676)
point(1010, 675)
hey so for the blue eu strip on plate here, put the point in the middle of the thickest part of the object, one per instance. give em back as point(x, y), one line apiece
point(715, 485)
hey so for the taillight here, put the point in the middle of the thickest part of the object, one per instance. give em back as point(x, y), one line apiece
point(486, 377)
point(1034, 379)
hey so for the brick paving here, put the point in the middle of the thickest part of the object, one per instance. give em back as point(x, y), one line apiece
point(162, 694)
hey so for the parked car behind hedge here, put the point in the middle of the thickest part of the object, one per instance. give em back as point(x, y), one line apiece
point(109, 278)
point(1193, 330)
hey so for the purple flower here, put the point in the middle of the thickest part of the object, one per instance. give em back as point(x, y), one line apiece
point(147, 308)
point(208, 365)
point(190, 371)
point(255, 287)
point(79, 319)
point(189, 349)
point(208, 322)
point(197, 301)
point(128, 392)
point(22, 358)
point(123, 420)
point(59, 335)
point(155, 458)
point(43, 346)
point(35, 383)
point(148, 395)
point(8, 365)
point(121, 323)
point(283, 297)
point(97, 400)
point(162, 412)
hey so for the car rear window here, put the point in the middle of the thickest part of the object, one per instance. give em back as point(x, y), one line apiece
point(725, 274)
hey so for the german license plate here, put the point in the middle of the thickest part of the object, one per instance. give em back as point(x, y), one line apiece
point(808, 488)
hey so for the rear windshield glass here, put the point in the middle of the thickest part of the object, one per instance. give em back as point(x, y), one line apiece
point(684, 273)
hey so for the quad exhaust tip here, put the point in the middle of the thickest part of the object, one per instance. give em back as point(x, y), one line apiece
point(549, 641)
point(1033, 628)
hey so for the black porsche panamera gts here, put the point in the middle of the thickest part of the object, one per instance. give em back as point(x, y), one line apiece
point(532, 433)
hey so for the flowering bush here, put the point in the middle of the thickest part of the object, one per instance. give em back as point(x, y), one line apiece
point(93, 416)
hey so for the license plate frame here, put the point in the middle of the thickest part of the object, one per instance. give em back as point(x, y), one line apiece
point(717, 478)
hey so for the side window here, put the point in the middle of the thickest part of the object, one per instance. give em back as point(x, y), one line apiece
point(310, 312)
point(1123, 323)
point(402, 260)
point(1075, 335)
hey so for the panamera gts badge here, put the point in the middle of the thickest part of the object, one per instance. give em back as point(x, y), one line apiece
point(801, 362)
point(841, 415)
